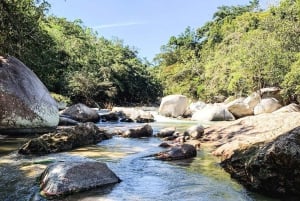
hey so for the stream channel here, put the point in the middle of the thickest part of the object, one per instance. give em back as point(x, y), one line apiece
point(143, 178)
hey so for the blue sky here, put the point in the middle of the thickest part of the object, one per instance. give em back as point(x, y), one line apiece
point(143, 24)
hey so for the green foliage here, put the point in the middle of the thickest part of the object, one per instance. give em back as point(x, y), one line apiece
point(60, 98)
point(71, 59)
point(241, 50)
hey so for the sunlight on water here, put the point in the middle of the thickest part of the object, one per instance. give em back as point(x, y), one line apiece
point(143, 178)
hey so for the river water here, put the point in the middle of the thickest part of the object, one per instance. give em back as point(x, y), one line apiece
point(143, 178)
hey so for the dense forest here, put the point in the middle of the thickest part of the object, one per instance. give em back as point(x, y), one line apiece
point(71, 59)
point(243, 48)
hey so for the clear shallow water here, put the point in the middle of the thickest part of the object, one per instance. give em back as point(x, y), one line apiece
point(143, 178)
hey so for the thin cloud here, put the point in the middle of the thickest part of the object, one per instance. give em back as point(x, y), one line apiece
point(115, 25)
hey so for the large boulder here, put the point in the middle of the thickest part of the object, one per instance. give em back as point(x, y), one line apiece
point(64, 178)
point(239, 109)
point(215, 112)
point(173, 105)
point(272, 168)
point(242, 107)
point(179, 152)
point(64, 139)
point(267, 105)
point(26, 106)
point(138, 132)
point(82, 113)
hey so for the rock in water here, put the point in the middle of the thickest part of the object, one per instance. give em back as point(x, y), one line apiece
point(26, 105)
point(179, 152)
point(63, 178)
point(64, 139)
point(138, 132)
point(173, 105)
point(82, 113)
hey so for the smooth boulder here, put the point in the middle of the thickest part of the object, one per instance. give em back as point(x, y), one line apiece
point(173, 105)
point(267, 105)
point(214, 112)
point(82, 113)
point(64, 139)
point(166, 132)
point(64, 178)
point(138, 132)
point(26, 105)
point(179, 152)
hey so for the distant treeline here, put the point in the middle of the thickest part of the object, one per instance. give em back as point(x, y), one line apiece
point(241, 50)
point(72, 59)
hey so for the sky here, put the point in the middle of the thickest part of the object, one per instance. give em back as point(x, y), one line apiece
point(145, 25)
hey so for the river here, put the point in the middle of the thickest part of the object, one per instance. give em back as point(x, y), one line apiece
point(143, 178)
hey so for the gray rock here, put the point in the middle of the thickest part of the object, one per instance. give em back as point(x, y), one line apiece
point(179, 152)
point(64, 178)
point(195, 131)
point(215, 112)
point(64, 139)
point(109, 116)
point(173, 105)
point(67, 121)
point(144, 117)
point(82, 113)
point(138, 132)
point(166, 132)
point(239, 109)
point(267, 105)
point(26, 105)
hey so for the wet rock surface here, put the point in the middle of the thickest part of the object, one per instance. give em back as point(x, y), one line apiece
point(82, 113)
point(63, 178)
point(178, 152)
point(64, 139)
point(138, 132)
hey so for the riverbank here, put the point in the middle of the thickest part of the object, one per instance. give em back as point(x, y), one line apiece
point(261, 152)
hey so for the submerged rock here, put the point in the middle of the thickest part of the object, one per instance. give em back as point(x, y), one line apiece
point(64, 139)
point(26, 105)
point(63, 178)
point(82, 113)
point(178, 152)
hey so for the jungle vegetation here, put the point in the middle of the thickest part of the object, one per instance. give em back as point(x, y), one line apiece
point(243, 48)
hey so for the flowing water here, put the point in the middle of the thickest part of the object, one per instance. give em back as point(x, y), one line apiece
point(143, 178)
